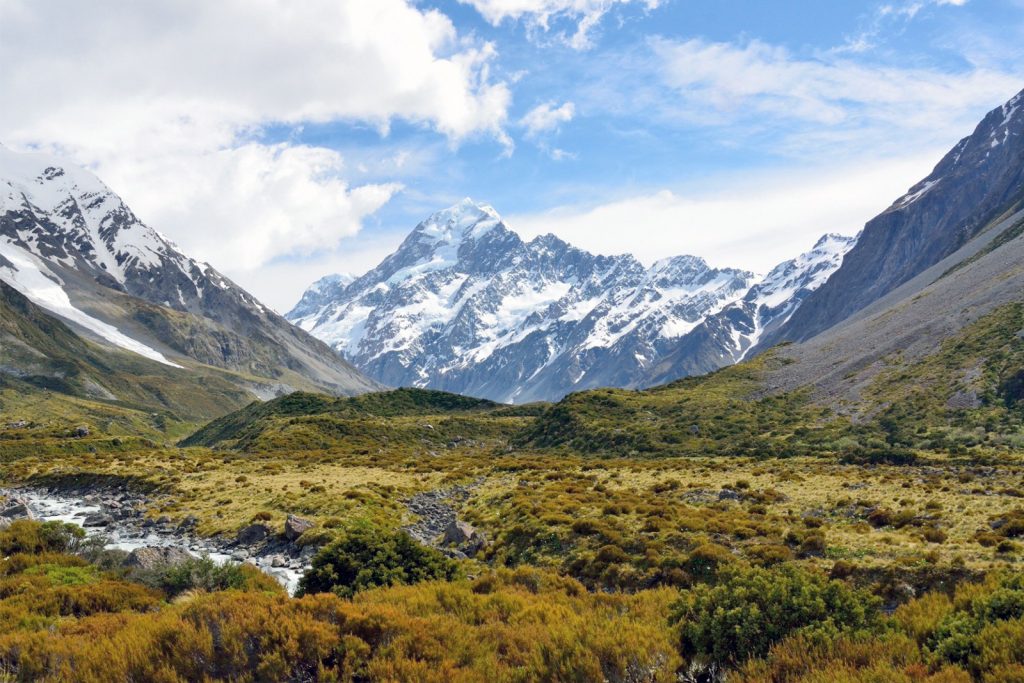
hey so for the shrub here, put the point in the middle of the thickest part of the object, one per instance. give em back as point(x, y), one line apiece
point(205, 575)
point(25, 536)
point(366, 558)
point(743, 616)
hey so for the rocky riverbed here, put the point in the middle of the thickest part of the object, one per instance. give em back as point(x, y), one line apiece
point(119, 516)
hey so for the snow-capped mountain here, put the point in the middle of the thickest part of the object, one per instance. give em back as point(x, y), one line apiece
point(466, 305)
point(731, 334)
point(74, 248)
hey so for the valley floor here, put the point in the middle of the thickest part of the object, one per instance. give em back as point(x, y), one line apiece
point(584, 574)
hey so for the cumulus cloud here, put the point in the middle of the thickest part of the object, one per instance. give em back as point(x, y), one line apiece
point(547, 117)
point(249, 204)
point(166, 101)
point(540, 15)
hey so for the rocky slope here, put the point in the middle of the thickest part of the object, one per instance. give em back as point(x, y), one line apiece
point(465, 305)
point(71, 246)
point(980, 180)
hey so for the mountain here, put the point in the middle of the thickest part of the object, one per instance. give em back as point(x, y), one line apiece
point(465, 305)
point(74, 249)
point(980, 180)
point(728, 336)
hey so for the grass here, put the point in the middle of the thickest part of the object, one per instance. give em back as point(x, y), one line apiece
point(598, 511)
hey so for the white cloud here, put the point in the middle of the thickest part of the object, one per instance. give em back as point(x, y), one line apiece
point(247, 205)
point(540, 15)
point(752, 222)
point(165, 99)
point(547, 117)
point(889, 18)
point(758, 86)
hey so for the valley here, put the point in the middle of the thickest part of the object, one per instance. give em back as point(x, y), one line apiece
point(491, 458)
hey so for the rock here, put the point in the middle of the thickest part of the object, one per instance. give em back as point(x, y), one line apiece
point(729, 494)
point(240, 555)
point(17, 424)
point(189, 522)
point(295, 527)
point(458, 533)
point(277, 561)
point(163, 519)
point(16, 509)
point(254, 533)
point(151, 557)
point(97, 520)
point(80, 431)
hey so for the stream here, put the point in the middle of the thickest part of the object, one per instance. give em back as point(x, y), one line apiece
point(130, 533)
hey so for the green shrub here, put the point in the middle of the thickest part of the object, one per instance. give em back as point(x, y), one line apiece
point(366, 558)
point(24, 536)
point(206, 575)
point(748, 612)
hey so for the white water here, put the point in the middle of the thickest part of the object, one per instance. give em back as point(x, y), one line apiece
point(49, 507)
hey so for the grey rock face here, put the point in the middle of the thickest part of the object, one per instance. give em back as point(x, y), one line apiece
point(979, 180)
point(730, 335)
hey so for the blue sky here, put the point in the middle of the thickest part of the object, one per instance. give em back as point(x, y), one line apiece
point(284, 147)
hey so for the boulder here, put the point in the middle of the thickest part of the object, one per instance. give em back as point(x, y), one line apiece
point(254, 533)
point(80, 432)
point(151, 557)
point(459, 533)
point(295, 527)
point(98, 519)
point(16, 509)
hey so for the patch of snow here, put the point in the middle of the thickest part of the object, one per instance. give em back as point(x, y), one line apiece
point(912, 197)
point(31, 277)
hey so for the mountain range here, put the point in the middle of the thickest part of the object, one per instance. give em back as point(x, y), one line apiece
point(465, 305)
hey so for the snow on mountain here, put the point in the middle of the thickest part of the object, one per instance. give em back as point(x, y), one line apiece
point(773, 301)
point(65, 214)
point(728, 336)
point(466, 305)
point(73, 247)
point(30, 276)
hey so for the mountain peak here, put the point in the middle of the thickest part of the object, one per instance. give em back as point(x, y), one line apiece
point(462, 221)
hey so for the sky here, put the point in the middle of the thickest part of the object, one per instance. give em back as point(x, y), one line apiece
point(283, 141)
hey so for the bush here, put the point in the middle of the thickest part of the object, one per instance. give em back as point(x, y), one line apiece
point(25, 536)
point(367, 557)
point(748, 612)
point(205, 575)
